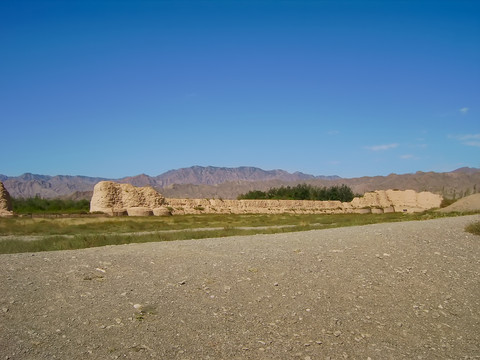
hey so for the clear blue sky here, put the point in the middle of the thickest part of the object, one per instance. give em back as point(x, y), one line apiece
point(352, 88)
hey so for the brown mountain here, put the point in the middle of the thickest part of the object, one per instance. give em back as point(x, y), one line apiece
point(228, 183)
point(31, 185)
point(453, 184)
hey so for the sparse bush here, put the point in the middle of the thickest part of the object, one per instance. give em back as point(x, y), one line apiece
point(474, 228)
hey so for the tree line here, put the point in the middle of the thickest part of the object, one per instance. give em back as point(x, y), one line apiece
point(341, 193)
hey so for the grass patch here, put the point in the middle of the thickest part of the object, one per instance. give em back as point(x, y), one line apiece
point(79, 233)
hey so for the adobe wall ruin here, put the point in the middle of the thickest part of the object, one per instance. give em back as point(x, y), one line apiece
point(380, 201)
point(122, 199)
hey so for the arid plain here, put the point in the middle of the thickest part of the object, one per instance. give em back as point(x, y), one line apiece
point(385, 291)
point(398, 290)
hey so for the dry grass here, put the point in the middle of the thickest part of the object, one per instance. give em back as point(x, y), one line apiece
point(32, 235)
point(474, 228)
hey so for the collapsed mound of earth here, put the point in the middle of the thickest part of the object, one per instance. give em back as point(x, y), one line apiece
point(468, 203)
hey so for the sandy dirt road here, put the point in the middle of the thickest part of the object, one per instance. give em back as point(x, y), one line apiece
point(387, 291)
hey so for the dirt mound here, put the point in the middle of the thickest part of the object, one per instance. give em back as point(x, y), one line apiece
point(5, 202)
point(468, 203)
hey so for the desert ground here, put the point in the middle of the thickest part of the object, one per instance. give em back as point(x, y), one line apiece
point(386, 291)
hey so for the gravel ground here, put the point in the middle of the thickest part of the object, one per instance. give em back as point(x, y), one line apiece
point(387, 291)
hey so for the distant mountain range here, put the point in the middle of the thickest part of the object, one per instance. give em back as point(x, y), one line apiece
point(211, 175)
point(228, 183)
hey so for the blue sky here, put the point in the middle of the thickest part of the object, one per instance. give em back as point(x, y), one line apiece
point(351, 88)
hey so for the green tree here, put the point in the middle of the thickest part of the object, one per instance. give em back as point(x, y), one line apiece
point(303, 192)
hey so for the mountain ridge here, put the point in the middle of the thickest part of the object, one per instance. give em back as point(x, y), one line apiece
point(224, 182)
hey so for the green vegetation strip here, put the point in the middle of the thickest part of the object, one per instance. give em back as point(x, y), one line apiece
point(37, 205)
point(303, 192)
point(79, 233)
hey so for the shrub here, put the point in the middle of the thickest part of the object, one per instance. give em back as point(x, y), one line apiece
point(474, 228)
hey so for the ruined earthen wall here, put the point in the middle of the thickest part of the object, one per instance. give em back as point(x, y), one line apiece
point(380, 201)
point(122, 199)
point(194, 206)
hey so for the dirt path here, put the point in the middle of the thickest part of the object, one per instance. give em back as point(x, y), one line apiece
point(386, 291)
